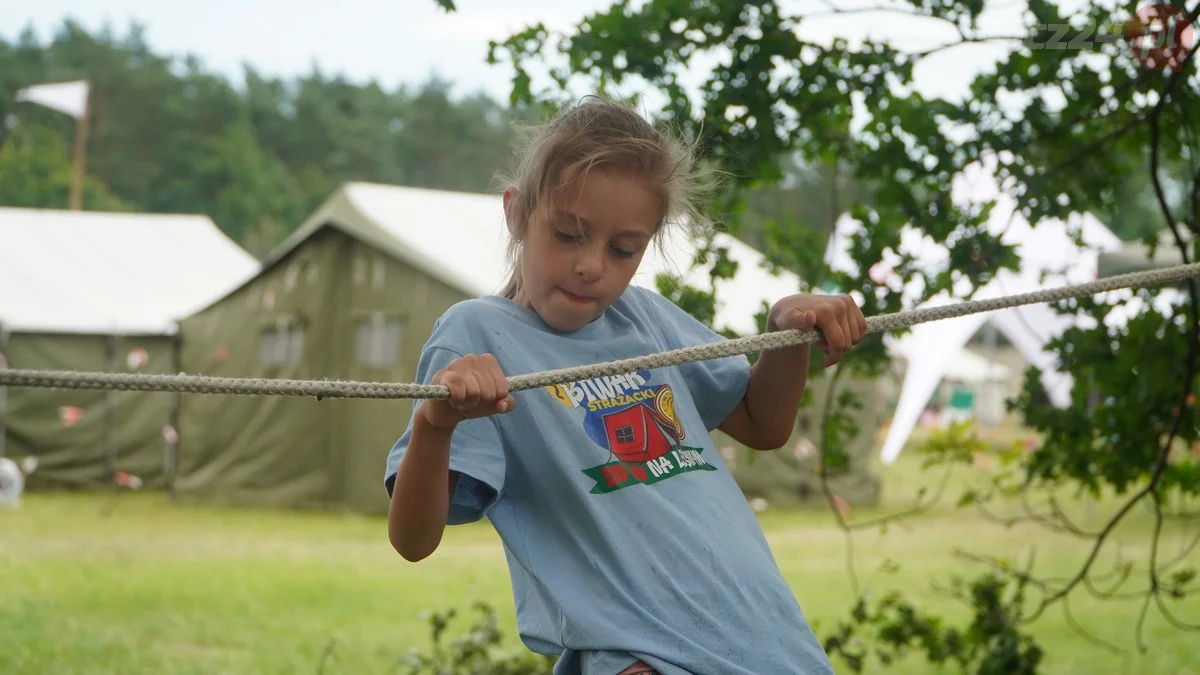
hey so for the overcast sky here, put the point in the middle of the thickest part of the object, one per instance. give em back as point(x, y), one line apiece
point(406, 41)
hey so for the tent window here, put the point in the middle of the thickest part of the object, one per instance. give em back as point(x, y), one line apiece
point(281, 345)
point(360, 270)
point(377, 342)
point(378, 273)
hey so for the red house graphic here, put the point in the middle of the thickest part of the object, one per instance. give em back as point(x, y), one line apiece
point(639, 433)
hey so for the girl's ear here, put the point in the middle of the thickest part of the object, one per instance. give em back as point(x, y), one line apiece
point(510, 196)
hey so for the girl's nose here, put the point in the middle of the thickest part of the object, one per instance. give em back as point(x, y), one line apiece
point(589, 264)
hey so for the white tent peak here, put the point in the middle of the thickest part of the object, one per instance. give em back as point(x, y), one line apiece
point(90, 272)
point(1049, 257)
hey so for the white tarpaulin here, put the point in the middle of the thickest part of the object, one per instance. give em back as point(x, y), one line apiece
point(963, 366)
point(111, 273)
point(1047, 250)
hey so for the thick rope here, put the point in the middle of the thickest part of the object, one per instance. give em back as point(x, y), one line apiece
point(199, 384)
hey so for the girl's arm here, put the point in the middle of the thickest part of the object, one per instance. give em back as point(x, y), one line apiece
point(421, 494)
point(766, 417)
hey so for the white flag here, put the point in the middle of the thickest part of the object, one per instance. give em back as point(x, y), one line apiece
point(66, 97)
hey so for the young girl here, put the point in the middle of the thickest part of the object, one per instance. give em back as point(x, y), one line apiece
point(630, 547)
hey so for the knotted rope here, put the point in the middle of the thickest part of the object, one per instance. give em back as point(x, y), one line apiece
point(200, 384)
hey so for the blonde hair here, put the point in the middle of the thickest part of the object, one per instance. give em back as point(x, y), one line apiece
point(598, 132)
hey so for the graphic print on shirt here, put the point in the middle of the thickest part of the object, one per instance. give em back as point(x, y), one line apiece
point(634, 419)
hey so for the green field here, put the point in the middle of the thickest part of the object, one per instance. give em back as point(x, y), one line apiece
point(141, 585)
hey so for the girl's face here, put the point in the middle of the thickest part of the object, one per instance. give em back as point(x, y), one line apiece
point(579, 254)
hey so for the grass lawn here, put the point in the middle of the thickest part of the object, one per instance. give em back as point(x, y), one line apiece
point(152, 587)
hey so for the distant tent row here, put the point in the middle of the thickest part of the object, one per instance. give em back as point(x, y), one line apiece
point(91, 291)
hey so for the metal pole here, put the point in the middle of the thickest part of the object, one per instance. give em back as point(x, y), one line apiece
point(3, 390)
point(993, 352)
point(171, 447)
point(110, 405)
point(79, 160)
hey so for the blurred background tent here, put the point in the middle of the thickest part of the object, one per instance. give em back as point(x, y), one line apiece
point(353, 294)
point(1136, 256)
point(1049, 257)
point(92, 291)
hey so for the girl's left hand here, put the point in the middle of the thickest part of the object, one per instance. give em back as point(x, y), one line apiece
point(840, 321)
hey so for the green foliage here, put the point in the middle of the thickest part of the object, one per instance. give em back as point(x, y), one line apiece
point(884, 631)
point(891, 628)
point(1110, 413)
point(1012, 471)
point(701, 303)
point(36, 172)
point(476, 652)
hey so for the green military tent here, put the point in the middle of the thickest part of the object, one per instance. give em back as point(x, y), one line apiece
point(91, 291)
point(353, 294)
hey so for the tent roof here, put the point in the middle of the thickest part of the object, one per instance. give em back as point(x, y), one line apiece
point(1134, 256)
point(111, 273)
point(460, 239)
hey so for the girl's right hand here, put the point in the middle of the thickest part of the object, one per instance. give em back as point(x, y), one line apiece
point(477, 388)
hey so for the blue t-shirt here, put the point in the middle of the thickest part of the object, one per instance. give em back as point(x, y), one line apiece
point(625, 533)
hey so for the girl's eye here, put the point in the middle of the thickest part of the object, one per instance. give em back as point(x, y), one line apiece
point(565, 236)
point(622, 253)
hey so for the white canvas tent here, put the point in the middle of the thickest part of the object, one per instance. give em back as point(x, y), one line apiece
point(91, 291)
point(84, 272)
point(1049, 257)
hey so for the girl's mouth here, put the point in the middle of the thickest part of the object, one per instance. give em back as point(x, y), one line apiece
point(577, 299)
